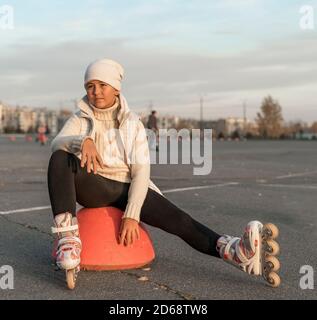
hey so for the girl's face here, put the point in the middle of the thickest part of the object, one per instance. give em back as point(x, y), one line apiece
point(101, 94)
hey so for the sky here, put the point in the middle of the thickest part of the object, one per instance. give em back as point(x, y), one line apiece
point(173, 52)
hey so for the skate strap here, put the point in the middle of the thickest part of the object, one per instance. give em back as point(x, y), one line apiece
point(64, 229)
point(244, 260)
point(229, 245)
point(68, 242)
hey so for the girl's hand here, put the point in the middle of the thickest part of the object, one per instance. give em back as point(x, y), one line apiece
point(129, 231)
point(89, 155)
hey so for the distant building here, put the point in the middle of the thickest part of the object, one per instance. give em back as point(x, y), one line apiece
point(41, 117)
point(305, 135)
point(26, 120)
point(233, 125)
point(218, 127)
point(63, 116)
point(240, 127)
point(1, 117)
point(167, 122)
point(52, 122)
point(10, 121)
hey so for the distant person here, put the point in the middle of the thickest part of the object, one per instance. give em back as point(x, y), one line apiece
point(80, 171)
point(152, 121)
point(48, 130)
point(41, 137)
point(152, 125)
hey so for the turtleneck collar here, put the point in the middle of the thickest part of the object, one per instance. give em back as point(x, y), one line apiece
point(108, 113)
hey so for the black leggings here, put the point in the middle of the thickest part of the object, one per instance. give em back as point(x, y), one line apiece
point(69, 183)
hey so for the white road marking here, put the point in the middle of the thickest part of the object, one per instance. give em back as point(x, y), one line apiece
point(163, 191)
point(24, 210)
point(200, 187)
point(300, 186)
point(300, 174)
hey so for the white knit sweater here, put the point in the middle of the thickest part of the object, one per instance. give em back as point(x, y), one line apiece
point(93, 123)
point(106, 119)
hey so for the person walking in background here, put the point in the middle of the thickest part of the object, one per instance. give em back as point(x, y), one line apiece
point(152, 125)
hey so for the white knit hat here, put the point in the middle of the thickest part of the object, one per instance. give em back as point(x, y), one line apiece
point(105, 70)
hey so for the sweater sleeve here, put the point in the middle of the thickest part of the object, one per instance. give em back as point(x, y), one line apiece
point(69, 138)
point(140, 175)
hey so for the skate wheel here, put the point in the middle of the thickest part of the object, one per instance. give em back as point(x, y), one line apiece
point(71, 278)
point(271, 230)
point(273, 247)
point(272, 263)
point(273, 279)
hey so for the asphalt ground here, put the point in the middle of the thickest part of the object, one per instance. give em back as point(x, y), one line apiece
point(272, 181)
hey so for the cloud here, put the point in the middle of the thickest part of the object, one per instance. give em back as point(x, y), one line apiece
point(238, 3)
point(39, 75)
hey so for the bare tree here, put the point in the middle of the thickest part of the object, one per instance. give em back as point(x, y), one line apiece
point(270, 118)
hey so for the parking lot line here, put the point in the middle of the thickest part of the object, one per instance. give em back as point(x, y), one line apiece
point(24, 210)
point(163, 191)
point(300, 174)
point(201, 187)
point(294, 186)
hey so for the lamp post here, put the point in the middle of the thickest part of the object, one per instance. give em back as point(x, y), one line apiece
point(201, 112)
point(244, 117)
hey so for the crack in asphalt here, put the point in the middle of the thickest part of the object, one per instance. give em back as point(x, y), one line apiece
point(27, 226)
point(184, 296)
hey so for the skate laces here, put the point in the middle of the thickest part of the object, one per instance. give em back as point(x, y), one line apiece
point(237, 250)
point(233, 251)
point(71, 243)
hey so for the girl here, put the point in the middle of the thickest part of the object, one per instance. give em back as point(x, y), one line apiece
point(101, 158)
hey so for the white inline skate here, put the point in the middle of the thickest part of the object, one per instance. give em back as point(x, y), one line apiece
point(69, 246)
point(254, 253)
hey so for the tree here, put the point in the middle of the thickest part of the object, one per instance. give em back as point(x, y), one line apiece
point(270, 118)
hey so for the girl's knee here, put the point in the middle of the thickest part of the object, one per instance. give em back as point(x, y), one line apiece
point(59, 158)
point(59, 154)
